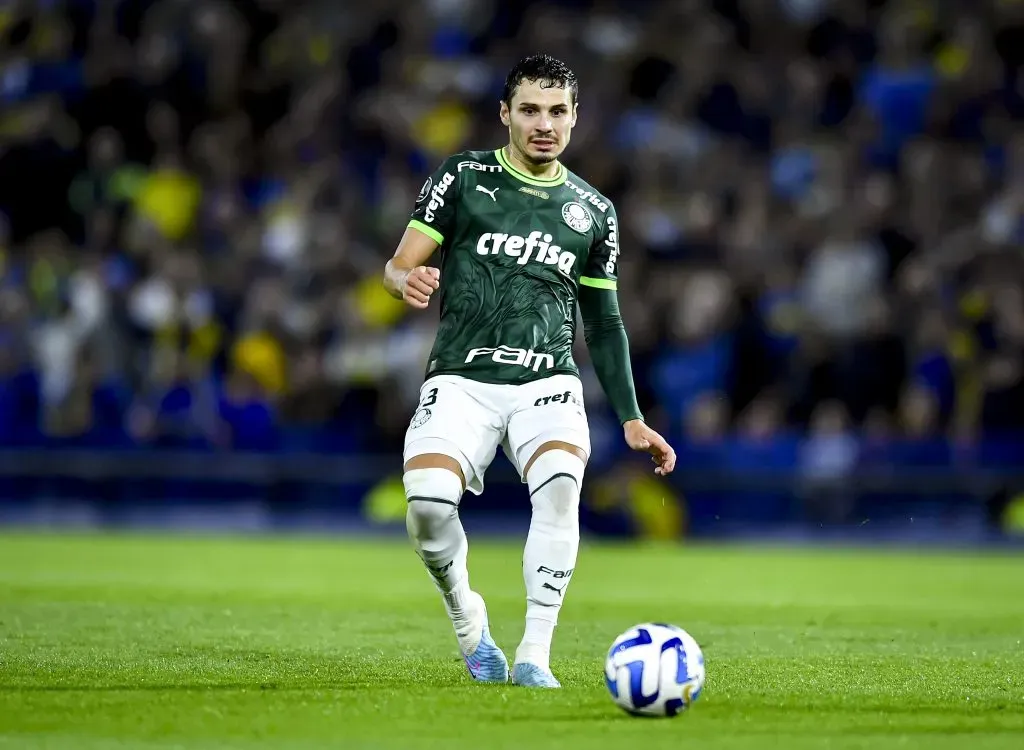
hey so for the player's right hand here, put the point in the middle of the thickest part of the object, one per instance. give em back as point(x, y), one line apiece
point(419, 285)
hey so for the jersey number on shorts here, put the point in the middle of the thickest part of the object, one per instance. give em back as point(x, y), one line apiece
point(422, 415)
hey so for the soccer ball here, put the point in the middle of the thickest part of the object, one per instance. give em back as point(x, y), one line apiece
point(654, 670)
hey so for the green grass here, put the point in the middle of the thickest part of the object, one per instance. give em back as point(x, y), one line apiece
point(163, 642)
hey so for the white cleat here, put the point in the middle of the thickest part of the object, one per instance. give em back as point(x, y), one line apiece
point(486, 663)
point(530, 675)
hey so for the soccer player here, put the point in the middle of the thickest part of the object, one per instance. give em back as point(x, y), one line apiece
point(523, 240)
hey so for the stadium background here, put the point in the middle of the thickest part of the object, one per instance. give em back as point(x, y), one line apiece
point(823, 213)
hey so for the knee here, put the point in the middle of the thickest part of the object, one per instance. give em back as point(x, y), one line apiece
point(425, 519)
point(560, 498)
point(555, 479)
point(433, 499)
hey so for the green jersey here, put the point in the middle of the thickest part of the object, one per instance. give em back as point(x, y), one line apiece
point(515, 250)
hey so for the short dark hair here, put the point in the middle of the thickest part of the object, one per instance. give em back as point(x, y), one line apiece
point(552, 73)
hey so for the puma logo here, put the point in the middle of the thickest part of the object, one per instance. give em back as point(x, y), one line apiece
point(482, 189)
point(556, 590)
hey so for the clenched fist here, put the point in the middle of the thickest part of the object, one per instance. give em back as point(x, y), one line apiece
point(419, 284)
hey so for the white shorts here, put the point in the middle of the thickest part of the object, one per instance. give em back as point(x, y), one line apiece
point(468, 420)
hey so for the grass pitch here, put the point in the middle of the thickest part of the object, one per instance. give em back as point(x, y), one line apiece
point(166, 642)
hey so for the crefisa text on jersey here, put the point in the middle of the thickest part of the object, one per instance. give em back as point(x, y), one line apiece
point(437, 195)
point(613, 243)
point(589, 197)
point(522, 248)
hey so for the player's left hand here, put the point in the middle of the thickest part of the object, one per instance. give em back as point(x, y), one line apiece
point(640, 437)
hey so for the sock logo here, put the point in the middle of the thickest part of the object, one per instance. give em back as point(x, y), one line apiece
point(556, 590)
point(438, 571)
point(558, 574)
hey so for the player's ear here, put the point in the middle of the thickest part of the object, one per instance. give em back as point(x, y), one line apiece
point(575, 108)
point(503, 113)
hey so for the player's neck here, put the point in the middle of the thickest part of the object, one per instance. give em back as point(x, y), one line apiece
point(550, 169)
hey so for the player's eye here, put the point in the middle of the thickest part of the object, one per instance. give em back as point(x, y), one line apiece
point(529, 110)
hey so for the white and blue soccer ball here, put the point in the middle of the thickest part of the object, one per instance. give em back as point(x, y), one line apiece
point(654, 670)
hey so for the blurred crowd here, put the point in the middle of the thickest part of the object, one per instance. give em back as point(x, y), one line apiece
point(822, 205)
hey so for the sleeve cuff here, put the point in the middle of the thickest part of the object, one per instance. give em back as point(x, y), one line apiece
point(429, 231)
point(599, 283)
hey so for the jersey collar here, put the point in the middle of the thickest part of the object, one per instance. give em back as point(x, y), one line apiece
point(555, 181)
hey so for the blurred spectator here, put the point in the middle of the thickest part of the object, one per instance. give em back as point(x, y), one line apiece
point(828, 457)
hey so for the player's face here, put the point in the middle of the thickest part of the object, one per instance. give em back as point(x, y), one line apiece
point(540, 121)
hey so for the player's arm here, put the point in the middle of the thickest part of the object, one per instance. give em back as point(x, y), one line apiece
point(406, 275)
point(609, 345)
